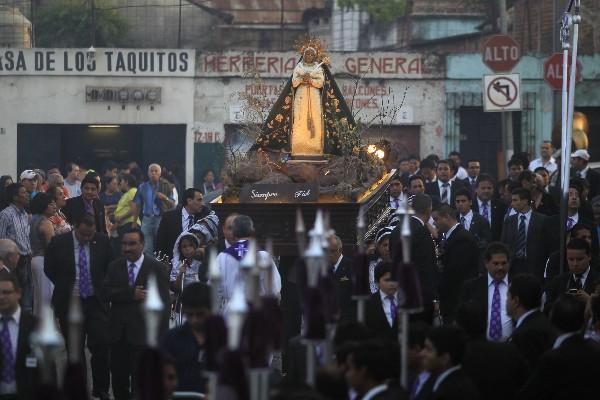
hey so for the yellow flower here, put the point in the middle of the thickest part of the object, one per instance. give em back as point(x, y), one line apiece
point(288, 100)
point(279, 117)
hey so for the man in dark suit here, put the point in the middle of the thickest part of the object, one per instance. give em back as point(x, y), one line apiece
point(182, 218)
point(87, 203)
point(581, 169)
point(581, 280)
point(459, 259)
point(18, 366)
point(444, 188)
point(473, 171)
point(489, 207)
point(569, 370)
point(371, 365)
point(423, 253)
point(381, 309)
point(342, 279)
point(533, 334)
point(497, 368)
point(524, 234)
point(126, 287)
point(471, 221)
point(443, 355)
point(9, 257)
point(493, 285)
point(76, 262)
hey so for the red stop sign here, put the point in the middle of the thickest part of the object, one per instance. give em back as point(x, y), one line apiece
point(553, 70)
point(501, 53)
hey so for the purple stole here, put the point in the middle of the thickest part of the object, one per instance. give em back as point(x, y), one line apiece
point(238, 250)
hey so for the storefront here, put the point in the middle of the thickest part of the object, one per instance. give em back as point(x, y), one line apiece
point(62, 105)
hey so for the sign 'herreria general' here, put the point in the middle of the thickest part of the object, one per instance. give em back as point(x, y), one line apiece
point(101, 62)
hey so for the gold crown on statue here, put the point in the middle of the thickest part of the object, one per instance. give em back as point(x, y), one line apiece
point(311, 42)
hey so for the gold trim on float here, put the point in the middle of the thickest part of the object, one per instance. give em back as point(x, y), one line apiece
point(373, 188)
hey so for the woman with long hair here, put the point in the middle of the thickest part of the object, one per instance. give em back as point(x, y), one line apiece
point(41, 230)
point(5, 180)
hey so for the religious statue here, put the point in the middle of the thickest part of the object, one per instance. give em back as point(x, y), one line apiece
point(311, 114)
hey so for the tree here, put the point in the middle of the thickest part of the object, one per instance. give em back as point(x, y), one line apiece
point(68, 23)
point(379, 10)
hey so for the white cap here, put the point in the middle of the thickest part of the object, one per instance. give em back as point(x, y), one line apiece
point(581, 153)
point(28, 174)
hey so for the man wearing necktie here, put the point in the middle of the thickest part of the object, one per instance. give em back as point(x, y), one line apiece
point(396, 194)
point(490, 289)
point(126, 287)
point(87, 203)
point(473, 170)
point(17, 380)
point(579, 281)
point(76, 263)
point(524, 235)
point(444, 188)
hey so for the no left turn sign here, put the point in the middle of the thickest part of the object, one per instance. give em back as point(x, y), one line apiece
point(502, 92)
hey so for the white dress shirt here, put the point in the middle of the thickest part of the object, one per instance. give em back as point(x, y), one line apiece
point(575, 218)
point(76, 246)
point(468, 219)
point(374, 391)
point(13, 329)
point(461, 173)
point(185, 220)
point(583, 276)
point(450, 231)
point(507, 325)
point(401, 199)
point(138, 265)
point(337, 263)
point(550, 165)
point(527, 219)
point(583, 172)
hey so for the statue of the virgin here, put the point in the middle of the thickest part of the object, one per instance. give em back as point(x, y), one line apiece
point(310, 115)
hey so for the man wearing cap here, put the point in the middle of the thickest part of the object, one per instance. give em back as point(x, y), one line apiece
point(579, 165)
point(28, 179)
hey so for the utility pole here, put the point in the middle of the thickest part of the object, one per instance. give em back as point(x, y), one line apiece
point(281, 22)
point(179, 27)
point(506, 120)
point(93, 24)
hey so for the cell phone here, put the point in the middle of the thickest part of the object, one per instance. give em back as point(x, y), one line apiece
point(572, 291)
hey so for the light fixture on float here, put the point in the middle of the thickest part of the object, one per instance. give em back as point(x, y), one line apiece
point(90, 54)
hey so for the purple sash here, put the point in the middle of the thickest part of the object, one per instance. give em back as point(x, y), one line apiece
point(238, 250)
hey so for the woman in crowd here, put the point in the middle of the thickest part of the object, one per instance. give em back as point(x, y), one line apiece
point(58, 220)
point(43, 207)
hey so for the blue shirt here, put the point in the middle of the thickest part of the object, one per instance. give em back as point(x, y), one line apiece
point(146, 198)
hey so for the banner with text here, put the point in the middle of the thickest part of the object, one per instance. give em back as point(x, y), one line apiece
point(368, 65)
point(100, 62)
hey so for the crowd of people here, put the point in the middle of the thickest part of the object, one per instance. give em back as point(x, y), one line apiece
point(500, 315)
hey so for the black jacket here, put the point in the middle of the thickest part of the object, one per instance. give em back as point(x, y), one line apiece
point(423, 255)
point(169, 229)
point(457, 386)
point(498, 369)
point(568, 372)
point(536, 238)
point(59, 267)
point(26, 377)
point(126, 313)
point(498, 210)
point(182, 345)
point(342, 284)
point(533, 337)
point(376, 320)
point(75, 208)
point(480, 228)
point(433, 189)
point(565, 281)
point(460, 262)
